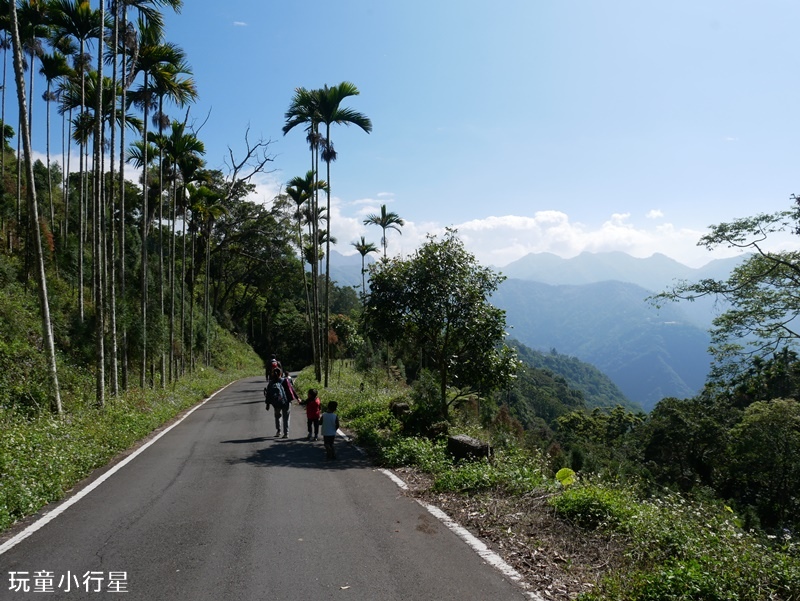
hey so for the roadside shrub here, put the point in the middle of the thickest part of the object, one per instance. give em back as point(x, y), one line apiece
point(514, 472)
point(682, 549)
point(593, 506)
point(430, 456)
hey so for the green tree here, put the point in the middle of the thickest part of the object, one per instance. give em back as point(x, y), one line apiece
point(760, 295)
point(41, 277)
point(683, 441)
point(436, 305)
point(71, 19)
point(303, 191)
point(386, 221)
point(763, 470)
point(156, 59)
point(54, 66)
point(331, 112)
point(184, 152)
point(364, 248)
point(304, 110)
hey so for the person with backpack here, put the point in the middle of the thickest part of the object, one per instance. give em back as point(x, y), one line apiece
point(275, 396)
point(272, 365)
point(288, 387)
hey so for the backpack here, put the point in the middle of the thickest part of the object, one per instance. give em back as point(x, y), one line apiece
point(288, 388)
point(275, 394)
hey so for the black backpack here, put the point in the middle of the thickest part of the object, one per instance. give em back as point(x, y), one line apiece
point(275, 394)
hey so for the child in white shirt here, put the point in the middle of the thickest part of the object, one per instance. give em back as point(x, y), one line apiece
point(330, 424)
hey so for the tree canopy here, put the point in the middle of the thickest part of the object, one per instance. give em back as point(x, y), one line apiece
point(759, 297)
point(434, 306)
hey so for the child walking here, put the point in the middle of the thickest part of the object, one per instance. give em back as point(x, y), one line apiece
point(330, 424)
point(313, 412)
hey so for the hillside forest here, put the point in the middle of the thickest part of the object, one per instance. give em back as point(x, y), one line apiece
point(139, 285)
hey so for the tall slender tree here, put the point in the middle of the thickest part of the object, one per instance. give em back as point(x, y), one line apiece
point(33, 209)
point(304, 110)
point(76, 20)
point(53, 67)
point(387, 220)
point(303, 190)
point(364, 248)
point(331, 112)
point(154, 54)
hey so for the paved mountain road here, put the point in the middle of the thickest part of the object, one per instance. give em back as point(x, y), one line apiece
point(219, 509)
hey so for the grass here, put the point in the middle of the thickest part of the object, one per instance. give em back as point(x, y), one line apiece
point(42, 456)
point(675, 548)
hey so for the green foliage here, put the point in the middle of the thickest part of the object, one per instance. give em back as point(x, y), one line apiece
point(42, 457)
point(763, 469)
point(683, 442)
point(602, 442)
point(759, 294)
point(433, 307)
point(428, 455)
point(566, 477)
point(685, 550)
point(513, 471)
point(597, 388)
point(594, 506)
point(537, 394)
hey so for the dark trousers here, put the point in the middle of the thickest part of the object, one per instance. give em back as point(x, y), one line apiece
point(315, 424)
point(330, 453)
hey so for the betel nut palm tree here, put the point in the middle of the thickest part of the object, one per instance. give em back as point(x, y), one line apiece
point(387, 220)
point(302, 191)
point(44, 302)
point(304, 110)
point(364, 248)
point(332, 112)
point(155, 58)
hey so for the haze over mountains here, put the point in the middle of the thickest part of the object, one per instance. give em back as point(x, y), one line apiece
point(593, 307)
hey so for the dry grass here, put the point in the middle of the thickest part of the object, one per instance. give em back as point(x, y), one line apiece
point(556, 559)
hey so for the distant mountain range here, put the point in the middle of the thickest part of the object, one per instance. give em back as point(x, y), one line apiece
point(654, 274)
point(593, 307)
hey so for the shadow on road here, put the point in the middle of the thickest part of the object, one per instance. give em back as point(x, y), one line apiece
point(301, 454)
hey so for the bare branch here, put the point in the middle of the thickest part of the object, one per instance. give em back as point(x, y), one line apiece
point(254, 162)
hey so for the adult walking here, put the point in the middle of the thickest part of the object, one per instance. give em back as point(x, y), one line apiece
point(272, 365)
point(275, 395)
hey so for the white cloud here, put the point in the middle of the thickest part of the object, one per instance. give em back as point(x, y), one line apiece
point(655, 214)
point(239, 24)
point(500, 240)
point(267, 187)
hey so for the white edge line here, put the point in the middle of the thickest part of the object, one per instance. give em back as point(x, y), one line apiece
point(50, 516)
point(489, 556)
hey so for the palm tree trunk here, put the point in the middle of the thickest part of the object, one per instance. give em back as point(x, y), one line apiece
point(207, 359)
point(44, 305)
point(122, 266)
point(193, 279)
point(183, 291)
point(161, 240)
point(98, 226)
point(144, 245)
point(172, 267)
point(49, 175)
point(112, 248)
point(315, 276)
point(327, 264)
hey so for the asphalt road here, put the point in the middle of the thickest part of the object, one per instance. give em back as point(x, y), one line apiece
point(220, 509)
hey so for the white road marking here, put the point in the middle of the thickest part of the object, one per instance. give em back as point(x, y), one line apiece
point(50, 516)
point(489, 556)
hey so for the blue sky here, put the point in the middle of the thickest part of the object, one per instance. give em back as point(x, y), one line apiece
point(529, 125)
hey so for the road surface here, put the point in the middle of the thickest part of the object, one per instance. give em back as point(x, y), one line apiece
point(219, 509)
